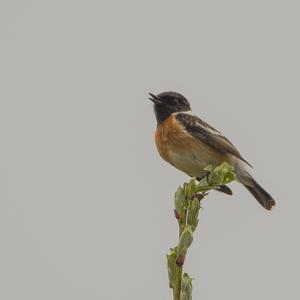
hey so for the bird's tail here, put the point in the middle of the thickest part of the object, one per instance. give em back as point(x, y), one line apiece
point(262, 196)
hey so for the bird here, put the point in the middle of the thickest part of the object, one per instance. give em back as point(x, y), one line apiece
point(190, 144)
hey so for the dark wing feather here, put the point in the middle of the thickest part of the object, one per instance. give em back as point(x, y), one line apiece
point(203, 131)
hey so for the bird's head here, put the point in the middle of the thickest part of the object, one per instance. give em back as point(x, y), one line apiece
point(167, 103)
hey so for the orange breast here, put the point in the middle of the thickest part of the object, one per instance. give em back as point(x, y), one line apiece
point(169, 136)
point(184, 152)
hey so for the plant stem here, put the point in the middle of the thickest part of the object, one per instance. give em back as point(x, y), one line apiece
point(177, 289)
point(187, 207)
point(178, 273)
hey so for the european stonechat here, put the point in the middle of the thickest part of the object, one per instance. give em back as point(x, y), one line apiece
point(190, 144)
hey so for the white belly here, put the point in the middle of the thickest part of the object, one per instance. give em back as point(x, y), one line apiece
point(193, 163)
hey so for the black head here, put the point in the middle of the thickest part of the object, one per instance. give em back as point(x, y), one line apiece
point(167, 103)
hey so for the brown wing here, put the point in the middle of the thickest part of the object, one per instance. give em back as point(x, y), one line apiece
point(203, 131)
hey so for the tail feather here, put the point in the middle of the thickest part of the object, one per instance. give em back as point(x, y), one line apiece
point(263, 197)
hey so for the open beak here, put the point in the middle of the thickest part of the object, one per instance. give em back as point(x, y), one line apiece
point(154, 99)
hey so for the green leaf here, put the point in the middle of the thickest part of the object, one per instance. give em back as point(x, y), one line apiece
point(229, 174)
point(193, 213)
point(179, 199)
point(220, 175)
point(171, 262)
point(185, 241)
point(186, 287)
point(209, 168)
point(203, 182)
point(191, 188)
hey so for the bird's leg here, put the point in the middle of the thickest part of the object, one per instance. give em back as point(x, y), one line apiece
point(200, 196)
point(205, 175)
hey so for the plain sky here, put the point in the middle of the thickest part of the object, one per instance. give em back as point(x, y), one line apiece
point(86, 203)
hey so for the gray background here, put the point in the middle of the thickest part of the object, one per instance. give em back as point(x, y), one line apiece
point(86, 202)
